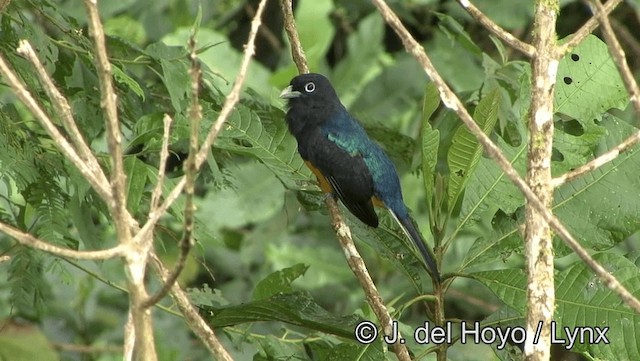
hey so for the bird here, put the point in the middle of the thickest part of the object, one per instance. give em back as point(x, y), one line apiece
point(347, 163)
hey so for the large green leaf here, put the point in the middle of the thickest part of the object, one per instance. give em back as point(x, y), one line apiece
point(583, 301)
point(588, 82)
point(465, 151)
point(294, 308)
point(269, 141)
point(430, 140)
point(278, 281)
point(603, 204)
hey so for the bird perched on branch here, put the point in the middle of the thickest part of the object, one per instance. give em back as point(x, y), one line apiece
point(347, 163)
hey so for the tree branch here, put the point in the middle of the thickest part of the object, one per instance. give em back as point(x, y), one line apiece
point(186, 241)
point(494, 28)
point(191, 315)
point(33, 242)
point(538, 237)
point(576, 38)
point(100, 184)
point(137, 255)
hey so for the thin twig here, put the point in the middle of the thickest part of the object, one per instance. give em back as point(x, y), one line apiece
point(33, 242)
point(230, 102)
point(359, 269)
point(186, 241)
point(297, 52)
point(101, 186)
point(452, 102)
point(137, 255)
point(343, 233)
point(498, 31)
point(191, 315)
point(114, 137)
point(63, 109)
point(164, 155)
point(576, 38)
point(618, 56)
point(598, 162)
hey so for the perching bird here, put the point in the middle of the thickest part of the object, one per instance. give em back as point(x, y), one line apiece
point(345, 160)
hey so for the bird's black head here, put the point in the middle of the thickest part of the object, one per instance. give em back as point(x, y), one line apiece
point(311, 100)
point(310, 92)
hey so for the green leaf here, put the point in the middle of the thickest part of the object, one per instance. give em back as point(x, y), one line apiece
point(278, 282)
point(603, 204)
point(293, 308)
point(222, 59)
point(137, 177)
point(268, 140)
point(582, 300)
point(455, 32)
point(465, 150)
point(588, 82)
point(430, 140)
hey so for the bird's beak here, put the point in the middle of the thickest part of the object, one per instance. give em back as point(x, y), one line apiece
point(288, 93)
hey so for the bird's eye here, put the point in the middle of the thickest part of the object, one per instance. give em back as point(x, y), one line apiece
point(309, 87)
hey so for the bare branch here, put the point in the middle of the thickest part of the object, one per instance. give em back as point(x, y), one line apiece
point(118, 203)
point(100, 185)
point(537, 235)
point(359, 269)
point(494, 28)
point(452, 102)
point(297, 52)
point(186, 241)
point(618, 56)
point(33, 242)
point(598, 162)
point(164, 154)
point(227, 108)
point(137, 256)
point(64, 111)
point(191, 315)
point(576, 38)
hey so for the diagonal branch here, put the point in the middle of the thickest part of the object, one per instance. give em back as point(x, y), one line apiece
point(297, 52)
point(452, 102)
point(498, 31)
point(99, 184)
point(64, 111)
point(186, 241)
point(618, 56)
point(576, 38)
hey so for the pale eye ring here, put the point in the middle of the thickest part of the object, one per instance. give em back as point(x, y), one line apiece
point(310, 87)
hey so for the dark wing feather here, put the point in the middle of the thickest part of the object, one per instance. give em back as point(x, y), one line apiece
point(348, 175)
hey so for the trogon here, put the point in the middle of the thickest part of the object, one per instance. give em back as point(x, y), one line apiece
point(345, 160)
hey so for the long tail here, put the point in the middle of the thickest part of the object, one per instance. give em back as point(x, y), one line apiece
point(412, 232)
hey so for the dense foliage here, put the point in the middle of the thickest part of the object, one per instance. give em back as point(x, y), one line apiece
point(265, 249)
